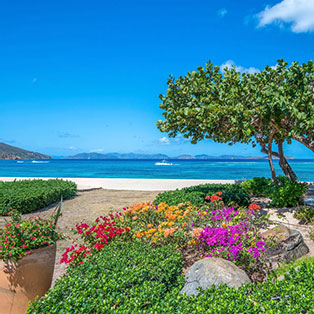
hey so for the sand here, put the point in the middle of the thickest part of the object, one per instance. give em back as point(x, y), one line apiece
point(130, 184)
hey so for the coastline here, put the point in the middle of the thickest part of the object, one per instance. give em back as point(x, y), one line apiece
point(129, 184)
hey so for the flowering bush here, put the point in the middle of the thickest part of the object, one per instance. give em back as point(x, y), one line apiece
point(160, 224)
point(95, 237)
point(210, 230)
point(21, 236)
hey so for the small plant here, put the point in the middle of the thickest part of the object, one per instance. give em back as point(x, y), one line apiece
point(305, 214)
point(21, 236)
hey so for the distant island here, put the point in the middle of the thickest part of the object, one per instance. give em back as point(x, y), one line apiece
point(11, 152)
point(130, 156)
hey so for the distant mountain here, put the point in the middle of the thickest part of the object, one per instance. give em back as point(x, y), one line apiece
point(117, 156)
point(113, 156)
point(12, 152)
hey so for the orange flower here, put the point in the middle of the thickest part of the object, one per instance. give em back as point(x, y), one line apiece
point(169, 232)
point(135, 217)
point(224, 226)
point(219, 193)
point(149, 226)
point(184, 224)
point(196, 232)
point(138, 235)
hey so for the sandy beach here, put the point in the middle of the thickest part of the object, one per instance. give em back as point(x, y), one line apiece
point(129, 184)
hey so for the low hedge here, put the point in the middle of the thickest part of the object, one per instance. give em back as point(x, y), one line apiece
point(30, 195)
point(284, 193)
point(121, 278)
point(136, 278)
point(231, 193)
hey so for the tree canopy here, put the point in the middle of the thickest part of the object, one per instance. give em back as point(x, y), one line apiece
point(227, 106)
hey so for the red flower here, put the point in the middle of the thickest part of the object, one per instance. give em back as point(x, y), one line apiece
point(215, 198)
point(254, 207)
point(219, 193)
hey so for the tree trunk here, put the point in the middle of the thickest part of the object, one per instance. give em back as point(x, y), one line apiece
point(270, 159)
point(283, 163)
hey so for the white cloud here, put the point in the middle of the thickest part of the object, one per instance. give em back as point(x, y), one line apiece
point(230, 64)
point(164, 140)
point(72, 148)
point(96, 150)
point(299, 13)
point(222, 12)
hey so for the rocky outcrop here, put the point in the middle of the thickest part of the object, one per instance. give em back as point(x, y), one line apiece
point(12, 152)
point(288, 244)
point(213, 271)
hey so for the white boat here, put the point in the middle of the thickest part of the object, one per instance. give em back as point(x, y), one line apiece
point(40, 162)
point(163, 163)
point(20, 161)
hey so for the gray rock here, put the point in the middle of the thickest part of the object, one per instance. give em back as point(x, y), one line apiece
point(213, 271)
point(288, 244)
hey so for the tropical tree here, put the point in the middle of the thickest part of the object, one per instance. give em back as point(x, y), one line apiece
point(271, 106)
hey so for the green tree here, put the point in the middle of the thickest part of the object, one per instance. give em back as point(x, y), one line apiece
point(271, 106)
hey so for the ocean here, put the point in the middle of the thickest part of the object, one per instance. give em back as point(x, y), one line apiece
point(216, 169)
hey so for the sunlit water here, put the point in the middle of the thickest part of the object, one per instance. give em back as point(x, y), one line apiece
point(177, 169)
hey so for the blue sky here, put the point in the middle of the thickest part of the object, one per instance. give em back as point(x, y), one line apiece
point(86, 75)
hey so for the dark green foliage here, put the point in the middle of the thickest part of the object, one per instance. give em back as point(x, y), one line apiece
point(122, 278)
point(258, 186)
point(231, 194)
point(288, 193)
point(30, 195)
point(285, 194)
point(135, 278)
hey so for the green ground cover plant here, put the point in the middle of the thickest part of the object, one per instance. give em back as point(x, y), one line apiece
point(285, 193)
point(135, 277)
point(29, 195)
point(232, 194)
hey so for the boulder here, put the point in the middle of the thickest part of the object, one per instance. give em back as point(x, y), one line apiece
point(288, 244)
point(213, 271)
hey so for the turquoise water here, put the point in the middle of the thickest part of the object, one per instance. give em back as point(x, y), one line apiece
point(147, 169)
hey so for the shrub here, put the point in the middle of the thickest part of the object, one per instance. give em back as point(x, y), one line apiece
point(136, 278)
point(20, 236)
point(120, 278)
point(288, 193)
point(29, 195)
point(232, 194)
point(210, 230)
point(95, 237)
point(257, 186)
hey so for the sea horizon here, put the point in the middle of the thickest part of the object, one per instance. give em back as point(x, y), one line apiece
point(212, 169)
